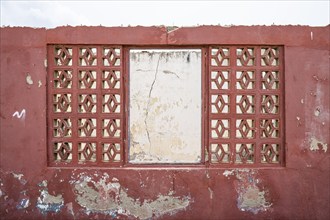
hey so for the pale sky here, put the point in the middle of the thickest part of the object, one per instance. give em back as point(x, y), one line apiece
point(51, 14)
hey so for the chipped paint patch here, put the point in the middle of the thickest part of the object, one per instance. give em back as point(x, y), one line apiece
point(29, 79)
point(317, 112)
point(227, 173)
point(318, 145)
point(69, 208)
point(47, 202)
point(249, 195)
point(253, 200)
point(24, 203)
point(211, 193)
point(19, 176)
point(108, 197)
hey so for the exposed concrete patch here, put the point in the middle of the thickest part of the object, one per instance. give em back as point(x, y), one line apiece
point(316, 144)
point(108, 197)
point(47, 202)
point(249, 195)
point(252, 199)
point(29, 79)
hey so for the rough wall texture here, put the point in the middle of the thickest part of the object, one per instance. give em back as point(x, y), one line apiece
point(31, 190)
point(165, 94)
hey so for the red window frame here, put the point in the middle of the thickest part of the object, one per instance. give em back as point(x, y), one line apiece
point(210, 157)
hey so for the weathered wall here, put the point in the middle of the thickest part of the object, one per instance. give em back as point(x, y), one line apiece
point(165, 95)
point(299, 190)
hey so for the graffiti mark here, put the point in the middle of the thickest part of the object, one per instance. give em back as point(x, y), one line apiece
point(20, 115)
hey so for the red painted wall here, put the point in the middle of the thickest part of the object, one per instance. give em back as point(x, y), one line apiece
point(31, 190)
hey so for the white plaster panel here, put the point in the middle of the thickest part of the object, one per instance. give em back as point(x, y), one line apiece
point(165, 106)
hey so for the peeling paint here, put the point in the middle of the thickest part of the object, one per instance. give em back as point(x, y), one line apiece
point(69, 208)
point(19, 176)
point(249, 195)
point(316, 144)
point(227, 173)
point(47, 202)
point(211, 193)
point(317, 112)
point(29, 79)
point(253, 200)
point(23, 204)
point(39, 83)
point(104, 196)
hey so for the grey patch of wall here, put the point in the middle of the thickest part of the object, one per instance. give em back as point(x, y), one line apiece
point(110, 198)
point(249, 195)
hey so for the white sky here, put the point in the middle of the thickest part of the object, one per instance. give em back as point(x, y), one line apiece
point(170, 13)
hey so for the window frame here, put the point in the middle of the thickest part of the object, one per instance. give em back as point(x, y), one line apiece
point(205, 109)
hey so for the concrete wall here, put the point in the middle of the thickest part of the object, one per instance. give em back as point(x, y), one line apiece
point(29, 189)
point(165, 95)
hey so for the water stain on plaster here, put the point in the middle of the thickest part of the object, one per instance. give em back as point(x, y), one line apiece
point(250, 197)
point(316, 144)
point(108, 197)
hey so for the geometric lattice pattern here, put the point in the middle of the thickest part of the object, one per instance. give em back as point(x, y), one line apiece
point(86, 120)
point(245, 105)
point(85, 95)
